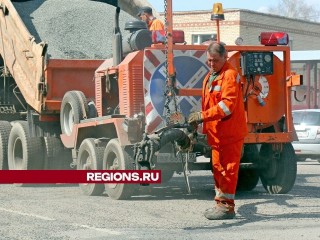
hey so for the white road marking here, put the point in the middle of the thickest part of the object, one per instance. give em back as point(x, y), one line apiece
point(27, 214)
point(52, 219)
point(99, 229)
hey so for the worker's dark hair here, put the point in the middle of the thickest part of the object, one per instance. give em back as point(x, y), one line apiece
point(215, 47)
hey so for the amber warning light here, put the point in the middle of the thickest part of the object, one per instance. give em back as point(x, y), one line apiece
point(217, 12)
point(274, 38)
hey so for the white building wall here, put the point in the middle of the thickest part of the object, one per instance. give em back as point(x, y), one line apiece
point(305, 35)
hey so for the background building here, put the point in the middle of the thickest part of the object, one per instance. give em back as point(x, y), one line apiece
point(247, 24)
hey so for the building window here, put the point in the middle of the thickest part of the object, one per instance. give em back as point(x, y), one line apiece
point(200, 38)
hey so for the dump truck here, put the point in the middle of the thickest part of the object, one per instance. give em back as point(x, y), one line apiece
point(128, 111)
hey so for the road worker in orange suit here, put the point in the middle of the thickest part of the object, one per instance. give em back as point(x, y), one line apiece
point(224, 122)
point(145, 14)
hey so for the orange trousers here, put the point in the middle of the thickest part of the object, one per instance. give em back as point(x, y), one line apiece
point(225, 165)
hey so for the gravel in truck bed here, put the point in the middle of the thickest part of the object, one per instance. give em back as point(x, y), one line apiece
point(73, 29)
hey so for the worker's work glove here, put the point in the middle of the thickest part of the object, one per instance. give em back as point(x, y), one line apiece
point(195, 117)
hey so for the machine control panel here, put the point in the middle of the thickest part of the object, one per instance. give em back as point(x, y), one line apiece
point(257, 63)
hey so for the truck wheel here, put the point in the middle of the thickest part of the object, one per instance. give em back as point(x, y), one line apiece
point(24, 152)
point(115, 158)
point(90, 157)
point(278, 175)
point(248, 177)
point(5, 128)
point(56, 156)
point(84, 100)
point(74, 108)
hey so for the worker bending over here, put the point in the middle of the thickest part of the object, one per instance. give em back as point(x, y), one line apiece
point(224, 122)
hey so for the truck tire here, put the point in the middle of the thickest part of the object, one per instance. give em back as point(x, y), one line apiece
point(24, 152)
point(5, 128)
point(115, 158)
point(74, 108)
point(56, 156)
point(249, 177)
point(90, 157)
point(84, 100)
point(278, 175)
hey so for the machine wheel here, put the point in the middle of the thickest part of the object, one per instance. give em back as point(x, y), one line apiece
point(24, 152)
point(166, 173)
point(56, 156)
point(90, 157)
point(5, 128)
point(278, 175)
point(74, 108)
point(248, 177)
point(115, 158)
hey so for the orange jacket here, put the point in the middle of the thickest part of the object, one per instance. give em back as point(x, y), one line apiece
point(223, 109)
point(155, 24)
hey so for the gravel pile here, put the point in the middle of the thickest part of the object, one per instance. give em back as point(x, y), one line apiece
point(73, 29)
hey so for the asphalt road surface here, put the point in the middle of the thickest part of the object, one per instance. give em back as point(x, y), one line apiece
point(162, 212)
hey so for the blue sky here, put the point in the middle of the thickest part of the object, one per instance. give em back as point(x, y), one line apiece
point(186, 5)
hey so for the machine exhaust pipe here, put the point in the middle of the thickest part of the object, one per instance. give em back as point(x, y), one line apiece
point(117, 40)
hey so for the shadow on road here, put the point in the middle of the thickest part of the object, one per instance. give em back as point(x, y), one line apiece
point(201, 189)
point(305, 189)
point(248, 213)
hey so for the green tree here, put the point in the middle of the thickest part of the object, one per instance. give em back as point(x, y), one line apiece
point(296, 9)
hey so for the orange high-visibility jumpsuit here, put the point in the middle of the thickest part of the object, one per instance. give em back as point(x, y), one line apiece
point(224, 122)
point(155, 24)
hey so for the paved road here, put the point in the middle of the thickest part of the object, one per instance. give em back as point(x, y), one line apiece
point(162, 212)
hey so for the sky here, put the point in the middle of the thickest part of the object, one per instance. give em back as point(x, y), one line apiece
point(255, 5)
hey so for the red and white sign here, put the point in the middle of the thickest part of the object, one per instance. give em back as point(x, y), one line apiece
point(190, 67)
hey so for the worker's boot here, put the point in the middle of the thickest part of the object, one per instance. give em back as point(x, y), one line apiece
point(220, 211)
